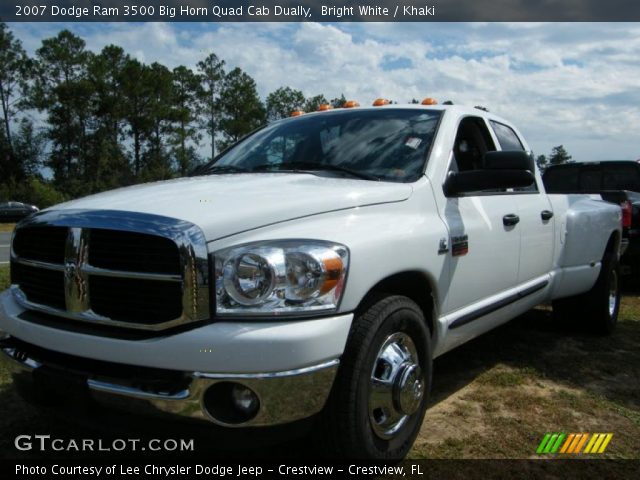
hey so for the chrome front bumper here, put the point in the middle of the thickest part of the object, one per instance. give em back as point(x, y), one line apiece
point(284, 396)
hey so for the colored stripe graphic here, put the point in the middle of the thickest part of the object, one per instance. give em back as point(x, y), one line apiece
point(596, 446)
point(543, 443)
point(582, 442)
point(607, 439)
point(556, 446)
point(574, 443)
point(567, 443)
point(594, 437)
point(550, 443)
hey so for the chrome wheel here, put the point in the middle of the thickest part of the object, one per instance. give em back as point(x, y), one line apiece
point(396, 387)
point(613, 293)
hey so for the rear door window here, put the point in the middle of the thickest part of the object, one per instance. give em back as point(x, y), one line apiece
point(506, 137)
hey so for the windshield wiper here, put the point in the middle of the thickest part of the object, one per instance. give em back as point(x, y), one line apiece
point(223, 169)
point(314, 166)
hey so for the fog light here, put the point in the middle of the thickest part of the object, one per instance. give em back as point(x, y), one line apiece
point(244, 399)
point(230, 403)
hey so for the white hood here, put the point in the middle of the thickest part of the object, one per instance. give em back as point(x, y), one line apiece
point(223, 205)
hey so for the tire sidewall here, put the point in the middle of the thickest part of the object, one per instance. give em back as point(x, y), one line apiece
point(411, 322)
point(608, 321)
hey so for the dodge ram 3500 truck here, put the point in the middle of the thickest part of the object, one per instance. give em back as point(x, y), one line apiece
point(313, 270)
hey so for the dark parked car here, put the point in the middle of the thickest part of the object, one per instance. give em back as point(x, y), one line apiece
point(615, 181)
point(15, 211)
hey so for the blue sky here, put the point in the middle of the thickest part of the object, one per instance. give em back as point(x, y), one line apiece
point(575, 84)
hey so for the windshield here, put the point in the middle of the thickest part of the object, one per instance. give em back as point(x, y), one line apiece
point(385, 144)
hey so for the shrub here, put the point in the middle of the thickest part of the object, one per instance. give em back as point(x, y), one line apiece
point(32, 191)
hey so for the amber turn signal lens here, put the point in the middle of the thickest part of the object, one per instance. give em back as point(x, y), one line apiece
point(334, 268)
point(379, 102)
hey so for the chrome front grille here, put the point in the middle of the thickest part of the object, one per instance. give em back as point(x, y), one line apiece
point(114, 268)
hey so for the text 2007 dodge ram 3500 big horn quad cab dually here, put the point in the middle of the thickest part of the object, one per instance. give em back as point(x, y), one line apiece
point(314, 269)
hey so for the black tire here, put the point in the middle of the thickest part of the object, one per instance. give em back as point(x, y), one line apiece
point(347, 427)
point(598, 308)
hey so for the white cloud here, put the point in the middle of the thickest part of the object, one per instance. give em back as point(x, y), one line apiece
point(571, 84)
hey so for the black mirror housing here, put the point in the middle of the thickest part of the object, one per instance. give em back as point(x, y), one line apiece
point(504, 169)
point(508, 160)
point(478, 180)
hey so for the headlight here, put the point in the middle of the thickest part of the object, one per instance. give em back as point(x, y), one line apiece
point(280, 277)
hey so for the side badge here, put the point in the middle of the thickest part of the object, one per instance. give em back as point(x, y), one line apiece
point(459, 245)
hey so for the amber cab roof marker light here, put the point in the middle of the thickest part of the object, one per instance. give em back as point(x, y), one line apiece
point(429, 101)
point(350, 104)
point(296, 113)
point(323, 107)
point(379, 102)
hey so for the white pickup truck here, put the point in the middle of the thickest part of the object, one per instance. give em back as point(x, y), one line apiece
point(312, 271)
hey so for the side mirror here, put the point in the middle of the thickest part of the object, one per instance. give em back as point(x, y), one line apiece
point(506, 169)
point(508, 160)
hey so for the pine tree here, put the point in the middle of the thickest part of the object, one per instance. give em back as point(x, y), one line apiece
point(63, 91)
point(542, 163)
point(283, 101)
point(559, 155)
point(211, 71)
point(338, 102)
point(186, 110)
point(107, 165)
point(15, 70)
point(241, 108)
point(157, 162)
point(137, 99)
point(311, 104)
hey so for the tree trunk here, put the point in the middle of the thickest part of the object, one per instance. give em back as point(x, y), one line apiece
point(136, 152)
point(213, 134)
point(5, 112)
point(183, 166)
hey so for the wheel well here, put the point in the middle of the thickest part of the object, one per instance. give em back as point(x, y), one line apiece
point(414, 285)
point(613, 244)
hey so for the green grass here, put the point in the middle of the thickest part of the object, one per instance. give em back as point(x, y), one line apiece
point(503, 378)
point(4, 277)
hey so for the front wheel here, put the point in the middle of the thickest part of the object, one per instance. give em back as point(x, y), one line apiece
point(379, 399)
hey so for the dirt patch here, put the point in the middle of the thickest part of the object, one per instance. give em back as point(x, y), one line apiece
point(497, 396)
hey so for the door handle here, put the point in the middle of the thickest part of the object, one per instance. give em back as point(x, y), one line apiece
point(546, 214)
point(510, 219)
